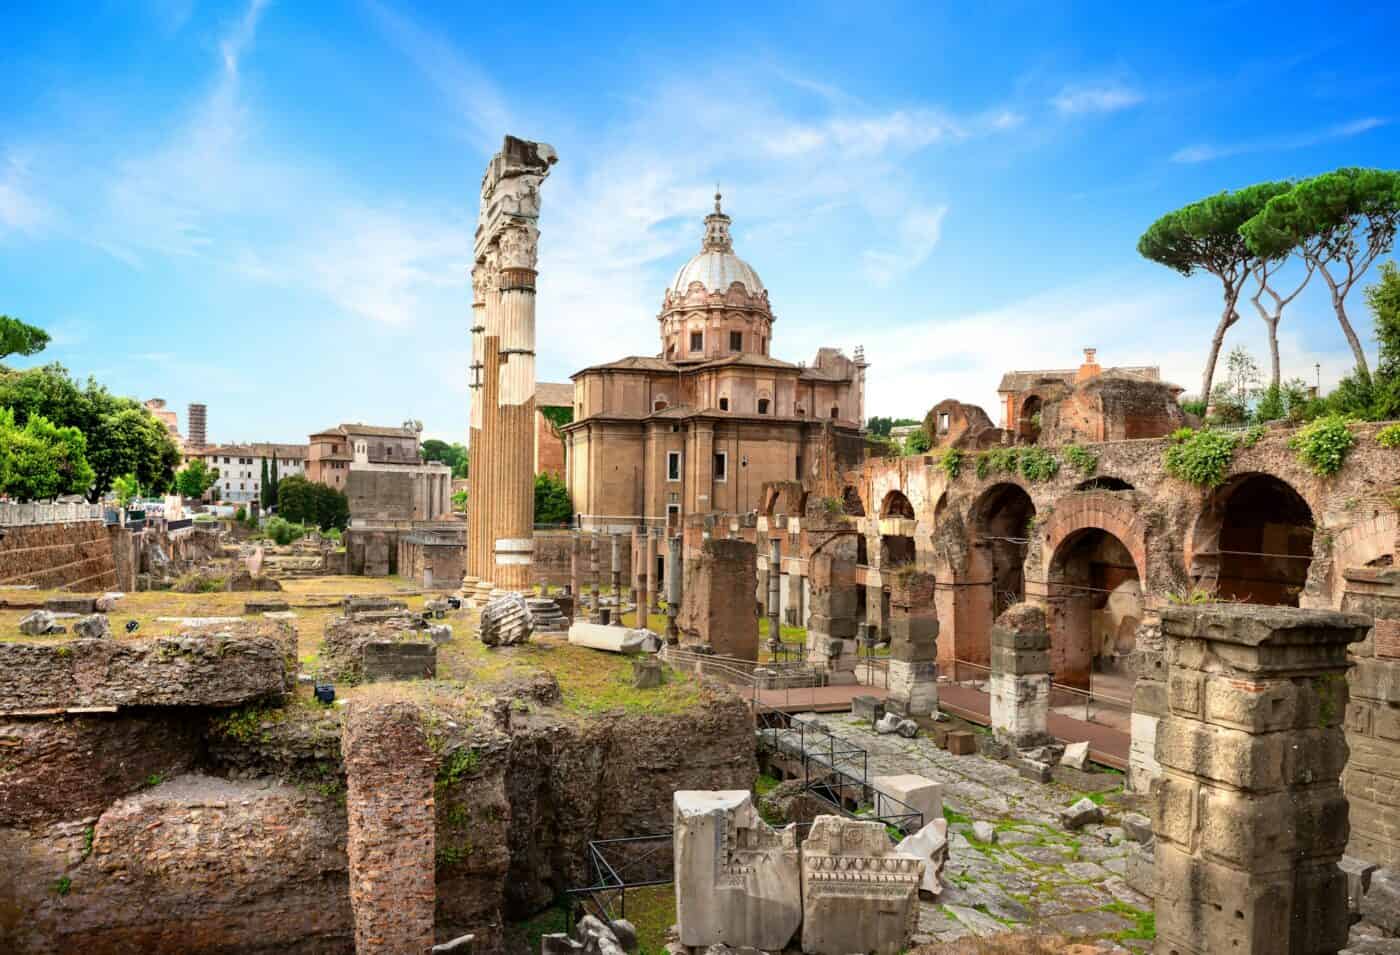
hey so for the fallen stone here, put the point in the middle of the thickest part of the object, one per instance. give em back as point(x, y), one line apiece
point(908, 729)
point(597, 636)
point(846, 907)
point(899, 794)
point(1137, 827)
point(1358, 873)
point(867, 708)
point(1381, 903)
point(1081, 814)
point(984, 832)
point(738, 880)
point(93, 627)
point(1076, 755)
point(460, 945)
point(78, 605)
point(931, 845)
point(505, 621)
point(107, 602)
point(440, 633)
point(888, 724)
point(646, 672)
point(38, 623)
point(265, 606)
point(962, 743)
point(1034, 770)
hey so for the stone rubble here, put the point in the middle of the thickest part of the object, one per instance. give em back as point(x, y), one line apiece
point(40, 623)
point(505, 621)
point(1083, 813)
point(93, 627)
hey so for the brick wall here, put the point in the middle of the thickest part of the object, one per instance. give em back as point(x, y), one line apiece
point(399, 660)
point(719, 607)
point(72, 556)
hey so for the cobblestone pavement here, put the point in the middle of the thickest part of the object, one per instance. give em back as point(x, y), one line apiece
point(1036, 875)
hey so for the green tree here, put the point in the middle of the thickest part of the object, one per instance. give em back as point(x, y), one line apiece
point(453, 455)
point(1340, 223)
point(552, 504)
point(195, 478)
point(1205, 237)
point(459, 500)
point(916, 443)
point(275, 480)
point(308, 502)
point(17, 338)
point(265, 487)
point(1384, 301)
point(880, 427)
point(1230, 401)
point(294, 500)
point(125, 489)
point(122, 435)
point(41, 460)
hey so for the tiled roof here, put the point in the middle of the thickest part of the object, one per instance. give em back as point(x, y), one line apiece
point(631, 363)
point(1021, 380)
point(552, 394)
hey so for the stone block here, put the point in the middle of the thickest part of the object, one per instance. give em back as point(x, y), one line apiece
point(388, 660)
point(917, 793)
point(1381, 902)
point(930, 845)
point(93, 627)
point(738, 881)
point(265, 605)
point(867, 708)
point(39, 623)
point(646, 672)
point(71, 604)
point(1076, 755)
point(962, 743)
point(1034, 770)
point(597, 636)
point(1082, 813)
point(858, 893)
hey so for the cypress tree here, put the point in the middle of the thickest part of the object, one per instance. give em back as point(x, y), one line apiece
point(263, 490)
point(272, 486)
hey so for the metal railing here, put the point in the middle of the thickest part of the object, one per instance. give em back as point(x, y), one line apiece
point(750, 675)
point(1097, 704)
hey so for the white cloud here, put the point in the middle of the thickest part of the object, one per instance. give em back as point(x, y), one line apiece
point(918, 233)
point(1074, 100)
point(1205, 152)
point(20, 209)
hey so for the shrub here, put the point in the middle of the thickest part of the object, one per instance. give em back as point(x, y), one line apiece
point(1389, 436)
point(999, 460)
point(1253, 435)
point(1194, 406)
point(283, 531)
point(1037, 464)
point(241, 515)
point(1200, 457)
point(1324, 444)
point(1084, 461)
point(951, 463)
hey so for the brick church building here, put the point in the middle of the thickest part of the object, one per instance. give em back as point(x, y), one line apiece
point(701, 426)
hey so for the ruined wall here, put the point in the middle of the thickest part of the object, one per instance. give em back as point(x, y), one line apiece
point(1372, 778)
point(720, 609)
point(75, 556)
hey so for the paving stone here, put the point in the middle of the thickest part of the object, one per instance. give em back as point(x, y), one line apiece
point(981, 924)
point(1093, 922)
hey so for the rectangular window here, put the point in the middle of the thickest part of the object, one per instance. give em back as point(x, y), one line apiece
point(673, 513)
point(736, 341)
point(721, 465)
point(799, 467)
point(942, 421)
point(724, 404)
point(673, 465)
point(697, 341)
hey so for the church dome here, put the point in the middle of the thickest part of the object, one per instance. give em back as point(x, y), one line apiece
point(716, 267)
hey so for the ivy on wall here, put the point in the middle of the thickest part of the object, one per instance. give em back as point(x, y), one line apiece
point(1324, 444)
point(1200, 457)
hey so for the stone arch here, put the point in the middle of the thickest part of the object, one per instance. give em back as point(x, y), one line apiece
point(1253, 541)
point(1104, 482)
point(1028, 419)
point(1099, 510)
point(1364, 544)
point(851, 503)
point(896, 504)
point(1094, 603)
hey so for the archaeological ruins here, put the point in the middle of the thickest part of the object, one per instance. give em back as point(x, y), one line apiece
point(774, 691)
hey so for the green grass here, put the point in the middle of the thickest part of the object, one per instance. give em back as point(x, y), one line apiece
point(954, 817)
point(1146, 927)
point(786, 634)
point(652, 910)
point(765, 784)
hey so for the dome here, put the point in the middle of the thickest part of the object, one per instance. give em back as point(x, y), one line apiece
point(717, 271)
point(716, 267)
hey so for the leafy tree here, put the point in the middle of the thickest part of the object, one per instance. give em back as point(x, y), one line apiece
point(308, 502)
point(17, 338)
point(552, 504)
point(880, 427)
point(1340, 222)
point(454, 455)
point(1384, 301)
point(41, 460)
point(195, 478)
point(265, 487)
point(122, 436)
point(1284, 402)
point(459, 500)
point(126, 489)
point(1230, 400)
point(916, 443)
point(1205, 237)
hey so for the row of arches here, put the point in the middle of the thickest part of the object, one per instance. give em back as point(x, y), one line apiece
point(1253, 542)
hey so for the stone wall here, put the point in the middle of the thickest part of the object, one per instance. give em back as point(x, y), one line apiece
point(76, 556)
point(1372, 779)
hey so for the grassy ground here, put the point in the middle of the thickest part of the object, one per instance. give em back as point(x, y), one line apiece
point(652, 910)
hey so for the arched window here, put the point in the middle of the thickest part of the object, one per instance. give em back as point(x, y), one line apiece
point(660, 404)
point(835, 411)
point(762, 405)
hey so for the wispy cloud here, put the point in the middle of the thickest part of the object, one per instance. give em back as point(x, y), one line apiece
point(917, 235)
point(1078, 99)
point(21, 210)
point(1205, 152)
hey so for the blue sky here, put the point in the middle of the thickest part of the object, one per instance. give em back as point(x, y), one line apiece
point(268, 206)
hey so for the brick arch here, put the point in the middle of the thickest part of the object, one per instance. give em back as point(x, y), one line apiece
point(852, 504)
point(897, 501)
point(1116, 513)
point(1360, 544)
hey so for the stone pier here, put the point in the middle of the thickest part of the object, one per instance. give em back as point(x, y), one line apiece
point(1250, 817)
point(502, 475)
point(831, 627)
point(719, 610)
point(1372, 779)
point(389, 772)
point(1149, 666)
point(1020, 680)
point(913, 631)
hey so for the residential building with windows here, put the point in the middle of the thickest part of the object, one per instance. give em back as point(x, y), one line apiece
point(240, 467)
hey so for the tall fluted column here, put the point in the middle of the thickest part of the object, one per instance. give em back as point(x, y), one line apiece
point(501, 540)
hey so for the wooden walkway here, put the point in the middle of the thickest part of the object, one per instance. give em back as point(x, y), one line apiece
point(1107, 746)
